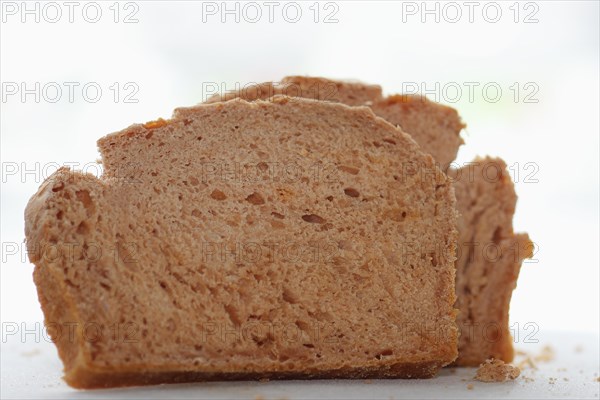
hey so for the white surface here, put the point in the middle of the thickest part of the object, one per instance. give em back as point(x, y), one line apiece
point(33, 371)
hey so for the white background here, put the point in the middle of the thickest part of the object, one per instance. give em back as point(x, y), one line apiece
point(174, 50)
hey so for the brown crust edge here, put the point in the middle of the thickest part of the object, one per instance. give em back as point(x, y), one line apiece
point(58, 308)
point(84, 378)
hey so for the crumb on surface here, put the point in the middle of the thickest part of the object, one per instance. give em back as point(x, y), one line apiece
point(529, 361)
point(368, 381)
point(493, 370)
point(546, 355)
point(528, 379)
point(470, 386)
point(31, 353)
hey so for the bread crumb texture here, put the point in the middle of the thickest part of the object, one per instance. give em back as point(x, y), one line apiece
point(493, 370)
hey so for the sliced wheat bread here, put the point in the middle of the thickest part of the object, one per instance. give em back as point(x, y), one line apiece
point(489, 255)
point(279, 239)
point(484, 314)
point(438, 134)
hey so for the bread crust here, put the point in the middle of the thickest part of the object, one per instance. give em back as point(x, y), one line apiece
point(85, 378)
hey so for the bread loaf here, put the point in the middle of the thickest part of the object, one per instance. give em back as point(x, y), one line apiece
point(237, 240)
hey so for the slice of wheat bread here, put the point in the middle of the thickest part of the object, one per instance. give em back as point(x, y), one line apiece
point(435, 127)
point(279, 239)
point(484, 314)
point(489, 255)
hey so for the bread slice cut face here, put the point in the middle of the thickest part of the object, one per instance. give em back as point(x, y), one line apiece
point(275, 239)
